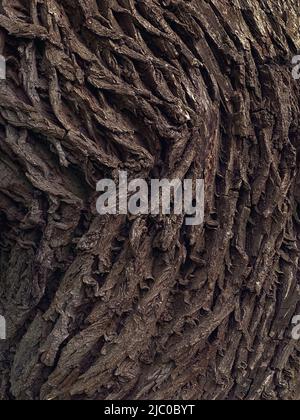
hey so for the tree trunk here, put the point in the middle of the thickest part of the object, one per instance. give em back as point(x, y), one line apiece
point(123, 307)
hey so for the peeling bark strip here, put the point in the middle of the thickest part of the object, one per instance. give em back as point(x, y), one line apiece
point(117, 307)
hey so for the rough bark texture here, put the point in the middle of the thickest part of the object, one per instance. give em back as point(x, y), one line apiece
point(146, 308)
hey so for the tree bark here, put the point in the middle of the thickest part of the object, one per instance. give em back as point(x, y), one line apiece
point(121, 307)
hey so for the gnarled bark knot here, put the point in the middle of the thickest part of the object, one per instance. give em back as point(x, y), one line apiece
point(117, 307)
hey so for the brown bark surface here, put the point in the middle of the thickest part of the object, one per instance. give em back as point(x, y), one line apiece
point(116, 307)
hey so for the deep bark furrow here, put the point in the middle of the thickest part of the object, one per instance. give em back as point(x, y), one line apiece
point(114, 307)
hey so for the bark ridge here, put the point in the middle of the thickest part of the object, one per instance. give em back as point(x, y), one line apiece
point(147, 308)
